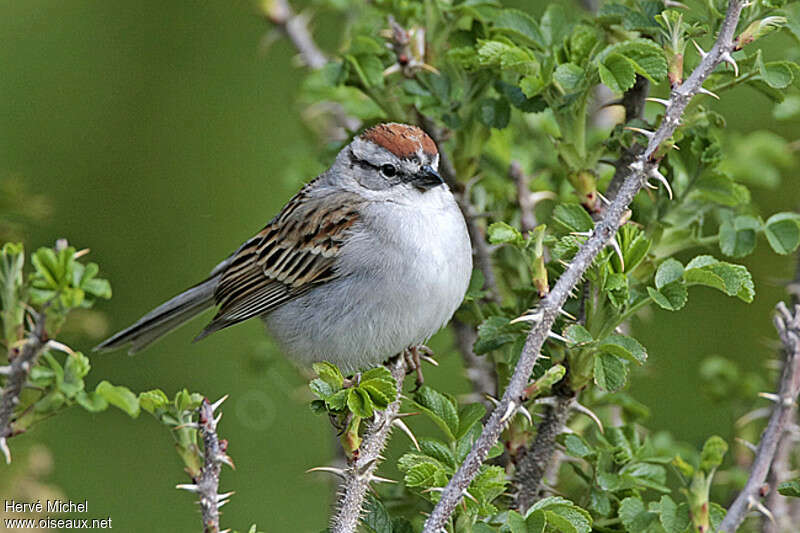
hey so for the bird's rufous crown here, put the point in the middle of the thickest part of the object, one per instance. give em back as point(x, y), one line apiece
point(401, 139)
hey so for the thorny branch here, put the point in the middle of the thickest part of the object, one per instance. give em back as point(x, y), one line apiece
point(206, 484)
point(360, 472)
point(549, 307)
point(21, 362)
point(295, 26)
point(788, 325)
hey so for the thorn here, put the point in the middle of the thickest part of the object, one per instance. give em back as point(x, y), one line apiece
point(588, 412)
point(55, 345)
point(556, 336)
point(534, 317)
point(225, 496)
point(752, 502)
point(775, 398)
point(581, 233)
point(512, 406)
point(224, 458)
point(189, 487)
point(216, 420)
point(216, 404)
point(701, 90)
point(220, 503)
point(654, 173)
point(563, 263)
point(470, 496)
point(603, 198)
point(526, 414)
point(494, 401)
point(650, 185)
point(5, 450)
point(646, 133)
point(700, 51)
point(566, 314)
point(762, 412)
point(405, 415)
point(378, 479)
point(749, 445)
point(661, 101)
point(330, 469)
point(404, 428)
point(188, 425)
point(429, 359)
point(615, 245)
point(728, 58)
point(673, 3)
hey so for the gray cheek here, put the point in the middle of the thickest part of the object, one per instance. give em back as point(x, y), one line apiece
point(373, 180)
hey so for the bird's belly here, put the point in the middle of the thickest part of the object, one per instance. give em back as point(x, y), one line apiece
point(398, 295)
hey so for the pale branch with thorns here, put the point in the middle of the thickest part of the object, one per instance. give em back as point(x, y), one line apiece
point(206, 484)
point(21, 361)
point(642, 168)
point(787, 322)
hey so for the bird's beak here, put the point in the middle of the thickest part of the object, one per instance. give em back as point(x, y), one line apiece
point(427, 178)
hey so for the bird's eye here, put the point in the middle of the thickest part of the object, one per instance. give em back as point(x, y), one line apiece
point(388, 170)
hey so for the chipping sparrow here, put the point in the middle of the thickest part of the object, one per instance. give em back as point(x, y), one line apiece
point(368, 259)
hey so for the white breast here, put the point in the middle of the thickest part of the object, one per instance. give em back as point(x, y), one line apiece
point(403, 273)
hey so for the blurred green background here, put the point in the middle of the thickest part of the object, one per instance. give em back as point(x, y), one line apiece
point(161, 134)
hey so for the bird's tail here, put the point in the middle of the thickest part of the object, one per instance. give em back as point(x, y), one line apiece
point(164, 318)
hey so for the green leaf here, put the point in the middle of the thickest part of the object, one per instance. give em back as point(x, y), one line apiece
point(790, 488)
point(671, 297)
point(439, 408)
point(783, 232)
point(519, 23)
point(674, 518)
point(623, 346)
point(721, 189)
point(668, 271)
point(75, 368)
point(359, 402)
point(617, 73)
point(91, 401)
point(531, 85)
point(375, 516)
point(562, 515)
point(330, 374)
point(714, 450)
point(119, 396)
point(468, 416)
point(610, 372)
point(573, 217)
point(381, 392)
point(493, 333)
point(569, 76)
point(515, 523)
point(494, 112)
point(153, 400)
point(438, 450)
point(554, 25)
point(502, 233)
point(577, 334)
point(634, 516)
point(576, 446)
point(733, 280)
point(737, 237)
point(646, 57)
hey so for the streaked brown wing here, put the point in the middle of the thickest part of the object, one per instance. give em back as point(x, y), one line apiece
point(293, 253)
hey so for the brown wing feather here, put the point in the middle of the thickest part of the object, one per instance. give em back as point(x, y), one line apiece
point(294, 252)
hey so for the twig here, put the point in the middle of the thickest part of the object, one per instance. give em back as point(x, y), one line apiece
point(788, 326)
point(533, 465)
point(633, 101)
point(18, 370)
point(295, 26)
point(479, 370)
point(361, 471)
point(527, 220)
point(605, 230)
point(206, 484)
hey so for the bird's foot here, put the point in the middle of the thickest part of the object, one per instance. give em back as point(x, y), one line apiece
point(414, 357)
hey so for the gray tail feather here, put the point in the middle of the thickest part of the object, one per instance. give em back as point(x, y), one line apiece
point(164, 318)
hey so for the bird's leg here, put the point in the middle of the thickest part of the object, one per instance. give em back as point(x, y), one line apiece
point(413, 356)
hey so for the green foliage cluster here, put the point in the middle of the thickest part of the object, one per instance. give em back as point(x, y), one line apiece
point(502, 86)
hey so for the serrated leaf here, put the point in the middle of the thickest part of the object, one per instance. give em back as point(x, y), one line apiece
point(554, 25)
point(647, 57)
point(91, 401)
point(577, 334)
point(375, 516)
point(790, 488)
point(623, 346)
point(359, 402)
point(119, 396)
point(673, 518)
point(569, 76)
point(382, 392)
point(668, 271)
point(439, 408)
point(519, 23)
point(671, 297)
point(610, 372)
point(515, 523)
point(737, 237)
point(437, 450)
point(563, 515)
point(576, 446)
point(573, 217)
point(153, 400)
point(502, 233)
point(721, 189)
point(494, 112)
point(617, 73)
point(493, 333)
point(783, 232)
point(468, 416)
point(330, 374)
point(634, 516)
